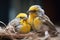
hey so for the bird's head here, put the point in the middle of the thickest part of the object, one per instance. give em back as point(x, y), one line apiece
point(36, 9)
point(21, 15)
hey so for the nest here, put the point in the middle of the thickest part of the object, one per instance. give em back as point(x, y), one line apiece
point(8, 35)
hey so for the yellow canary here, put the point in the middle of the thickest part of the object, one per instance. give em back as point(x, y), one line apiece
point(24, 25)
point(32, 14)
point(20, 23)
point(37, 18)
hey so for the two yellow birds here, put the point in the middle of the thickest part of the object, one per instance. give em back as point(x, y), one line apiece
point(34, 21)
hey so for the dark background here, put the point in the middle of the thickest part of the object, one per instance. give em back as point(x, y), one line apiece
point(51, 7)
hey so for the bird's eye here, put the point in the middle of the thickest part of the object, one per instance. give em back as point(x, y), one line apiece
point(22, 17)
point(33, 11)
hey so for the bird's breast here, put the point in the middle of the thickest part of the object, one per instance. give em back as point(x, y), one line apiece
point(37, 23)
point(25, 28)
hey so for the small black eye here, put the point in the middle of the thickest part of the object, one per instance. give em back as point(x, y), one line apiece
point(22, 17)
point(33, 11)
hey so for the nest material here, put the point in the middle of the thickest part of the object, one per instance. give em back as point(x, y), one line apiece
point(8, 35)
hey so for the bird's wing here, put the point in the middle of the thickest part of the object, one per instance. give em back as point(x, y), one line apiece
point(45, 19)
point(14, 22)
point(18, 27)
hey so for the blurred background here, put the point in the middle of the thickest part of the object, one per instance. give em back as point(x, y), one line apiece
point(10, 8)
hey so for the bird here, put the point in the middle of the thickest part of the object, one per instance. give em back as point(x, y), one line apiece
point(19, 24)
point(37, 18)
point(24, 25)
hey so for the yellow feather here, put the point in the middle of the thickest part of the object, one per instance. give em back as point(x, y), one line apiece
point(37, 23)
point(31, 18)
point(33, 8)
point(25, 27)
point(21, 15)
